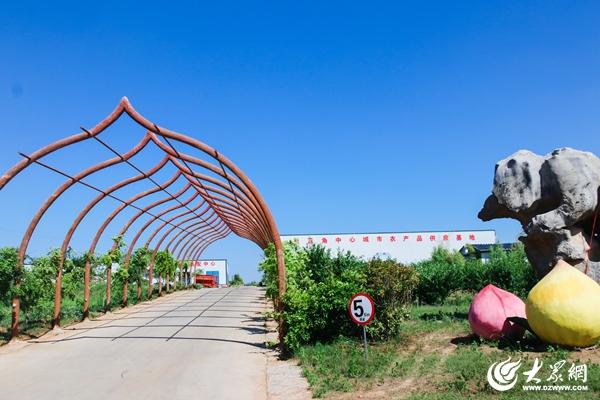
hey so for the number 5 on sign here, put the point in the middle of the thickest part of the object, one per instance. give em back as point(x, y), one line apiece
point(361, 309)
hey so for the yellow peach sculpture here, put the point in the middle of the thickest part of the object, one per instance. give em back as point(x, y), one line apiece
point(564, 307)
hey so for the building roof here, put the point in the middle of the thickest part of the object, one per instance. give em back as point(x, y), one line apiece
point(485, 248)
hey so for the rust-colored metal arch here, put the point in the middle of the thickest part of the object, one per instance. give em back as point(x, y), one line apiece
point(232, 201)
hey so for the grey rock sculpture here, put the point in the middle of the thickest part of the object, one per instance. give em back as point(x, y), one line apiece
point(555, 198)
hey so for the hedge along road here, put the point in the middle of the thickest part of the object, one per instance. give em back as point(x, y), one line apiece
point(192, 344)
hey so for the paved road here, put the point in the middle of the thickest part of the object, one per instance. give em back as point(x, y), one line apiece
point(198, 344)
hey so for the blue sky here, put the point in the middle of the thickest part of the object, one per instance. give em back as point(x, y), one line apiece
point(348, 116)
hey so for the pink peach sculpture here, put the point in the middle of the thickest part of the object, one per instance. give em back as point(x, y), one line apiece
point(489, 312)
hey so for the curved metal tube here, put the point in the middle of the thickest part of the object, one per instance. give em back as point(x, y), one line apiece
point(141, 212)
point(198, 231)
point(97, 237)
point(82, 214)
point(193, 250)
point(237, 203)
point(229, 209)
point(252, 207)
point(172, 228)
point(51, 148)
point(197, 249)
point(144, 211)
point(149, 222)
point(181, 256)
point(53, 197)
point(222, 230)
point(165, 236)
point(196, 244)
point(209, 151)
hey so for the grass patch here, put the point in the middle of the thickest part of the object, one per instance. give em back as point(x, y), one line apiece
point(435, 357)
point(341, 366)
point(466, 369)
point(429, 364)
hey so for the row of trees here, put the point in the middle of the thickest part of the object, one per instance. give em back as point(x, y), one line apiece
point(40, 276)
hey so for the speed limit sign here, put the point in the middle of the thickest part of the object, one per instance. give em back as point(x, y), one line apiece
point(361, 308)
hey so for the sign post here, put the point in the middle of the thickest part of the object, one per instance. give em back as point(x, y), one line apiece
point(365, 342)
point(362, 310)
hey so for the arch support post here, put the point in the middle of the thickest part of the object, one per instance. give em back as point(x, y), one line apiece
point(16, 314)
point(57, 297)
point(150, 278)
point(281, 286)
point(86, 288)
point(108, 285)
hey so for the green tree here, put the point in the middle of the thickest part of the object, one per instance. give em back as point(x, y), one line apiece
point(442, 255)
point(186, 269)
point(37, 287)
point(510, 270)
point(8, 270)
point(446, 273)
point(114, 256)
point(73, 275)
point(140, 259)
point(236, 280)
point(295, 260)
point(165, 265)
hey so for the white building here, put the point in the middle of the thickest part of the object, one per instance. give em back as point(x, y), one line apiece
point(217, 268)
point(405, 247)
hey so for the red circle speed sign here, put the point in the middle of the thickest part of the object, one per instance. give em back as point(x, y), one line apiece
point(361, 309)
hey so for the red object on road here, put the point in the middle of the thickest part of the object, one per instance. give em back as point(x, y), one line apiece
point(206, 280)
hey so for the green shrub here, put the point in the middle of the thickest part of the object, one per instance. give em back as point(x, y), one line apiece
point(73, 275)
point(37, 283)
point(319, 286)
point(391, 285)
point(40, 311)
point(8, 264)
point(318, 289)
point(442, 255)
point(510, 270)
point(97, 294)
point(437, 280)
point(474, 276)
point(236, 280)
point(446, 273)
